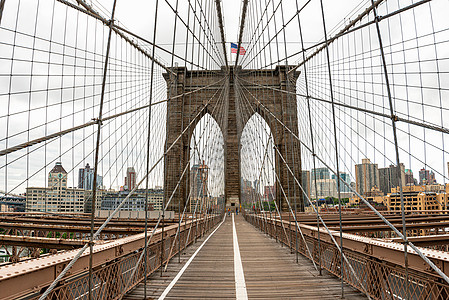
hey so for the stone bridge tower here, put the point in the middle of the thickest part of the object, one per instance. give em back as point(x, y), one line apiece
point(185, 109)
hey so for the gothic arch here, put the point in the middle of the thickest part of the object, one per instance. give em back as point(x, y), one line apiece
point(181, 110)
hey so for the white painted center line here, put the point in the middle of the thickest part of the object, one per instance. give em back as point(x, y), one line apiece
point(240, 285)
point(173, 282)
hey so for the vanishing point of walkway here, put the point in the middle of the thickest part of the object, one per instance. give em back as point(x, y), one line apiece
point(256, 268)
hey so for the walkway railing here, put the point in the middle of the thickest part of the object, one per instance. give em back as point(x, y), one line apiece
point(378, 263)
point(114, 265)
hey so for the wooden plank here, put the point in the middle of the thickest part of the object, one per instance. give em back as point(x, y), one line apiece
point(271, 272)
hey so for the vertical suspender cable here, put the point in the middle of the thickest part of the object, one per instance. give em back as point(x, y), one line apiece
point(242, 26)
point(306, 82)
point(336, 147)
point(398, 166)
point(148, 159)
point(97, 150)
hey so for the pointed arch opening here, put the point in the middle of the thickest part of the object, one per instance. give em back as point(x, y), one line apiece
point(257, 165)
point(207, 166)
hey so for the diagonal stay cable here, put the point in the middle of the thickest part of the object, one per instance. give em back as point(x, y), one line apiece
point(282, 188)
point(396, 231)
point(311, 204)
point(166, 206)
point(91, 123)
point(271, 192)
point(93, 13)
point(97, 233)
point(398, 119)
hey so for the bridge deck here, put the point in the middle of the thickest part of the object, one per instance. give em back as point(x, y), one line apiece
point(270, 271)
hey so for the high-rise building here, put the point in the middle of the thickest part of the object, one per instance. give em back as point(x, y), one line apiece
point(423, 176)
point(246, 184)
point(409, 179)
point(325, 188)
point(249, 193)
point(426, 177)
point(345, 178)
point(130, 179)
point(389, 178)
point(198, 185)
point(432, 179)
point(321, 173)
point(269, 193)
point(57, 197)
point(86, 178)
point(366, 176)
point(198, 180)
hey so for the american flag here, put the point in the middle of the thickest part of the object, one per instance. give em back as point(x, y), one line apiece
point(234, 48)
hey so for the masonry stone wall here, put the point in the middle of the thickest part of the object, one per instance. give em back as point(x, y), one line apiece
point(221, 85)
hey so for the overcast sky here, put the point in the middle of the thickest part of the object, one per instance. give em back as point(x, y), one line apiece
point(415, 42)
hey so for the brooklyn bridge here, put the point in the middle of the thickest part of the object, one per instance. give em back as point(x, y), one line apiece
point(205, 149)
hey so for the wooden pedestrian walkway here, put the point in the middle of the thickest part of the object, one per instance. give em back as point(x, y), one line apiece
point(269, 270)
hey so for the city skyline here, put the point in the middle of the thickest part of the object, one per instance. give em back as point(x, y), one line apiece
point(323, 173)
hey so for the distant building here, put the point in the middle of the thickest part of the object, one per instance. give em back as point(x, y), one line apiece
point(344, 178)
point(136, 202)
point(257, 185)
point(409, 179)
point(88, 196)
point(425, 197)
point(248, 192)
point(198, 180)
point(198, 185)
point(321, 173)
point(325, 188)
point(269, 193)
point(416, 197)
point(389, 178)
point(423, 176)
point(86, 178)
point(199, 204)
point(246, 185)
point(366, 176)
point(426, 177)
point(375, 196)
point(130, 179)
point(57, 197)
point(432, 179)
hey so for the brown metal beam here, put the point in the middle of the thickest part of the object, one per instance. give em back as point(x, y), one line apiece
point(20, 279)
point(385, 227)
point(426, 240)
point(41, 242)
point(68, 228)
point(81, 222)
point(384, 250)
point(373, 221)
